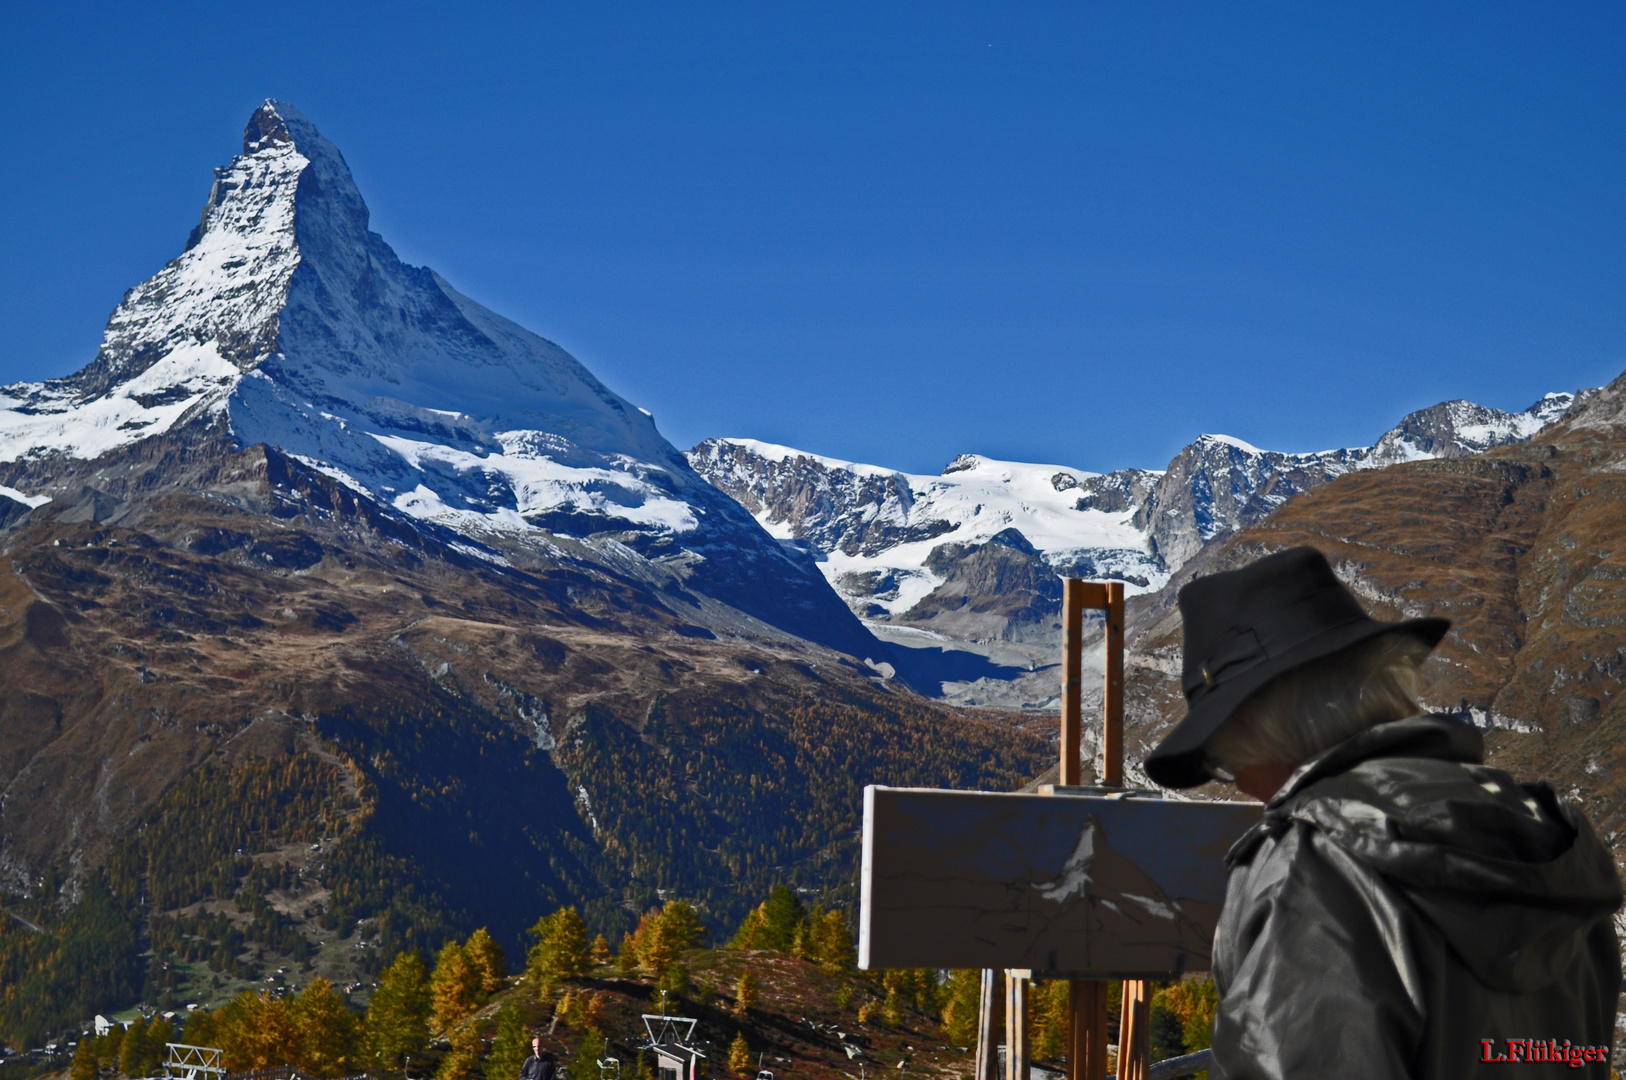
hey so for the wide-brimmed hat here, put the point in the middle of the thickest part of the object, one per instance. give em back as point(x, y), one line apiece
point(1246, 627)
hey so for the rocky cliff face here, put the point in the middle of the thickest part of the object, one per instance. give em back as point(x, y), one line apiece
point(286, 321)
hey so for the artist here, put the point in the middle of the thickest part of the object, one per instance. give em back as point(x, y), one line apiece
point(1401, 906)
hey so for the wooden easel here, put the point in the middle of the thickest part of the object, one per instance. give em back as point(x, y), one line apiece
point(1087, 1044)
point(986, 880)
point(1087, 1037)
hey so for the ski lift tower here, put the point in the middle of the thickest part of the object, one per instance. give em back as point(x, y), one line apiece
point(676, 1056)
point(192, 1063)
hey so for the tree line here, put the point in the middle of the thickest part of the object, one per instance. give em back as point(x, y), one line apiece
point(429, 1015)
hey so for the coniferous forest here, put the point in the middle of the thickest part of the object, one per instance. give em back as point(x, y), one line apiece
point(260, 875)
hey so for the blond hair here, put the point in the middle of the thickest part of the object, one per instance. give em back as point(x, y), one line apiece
point(1312, 708)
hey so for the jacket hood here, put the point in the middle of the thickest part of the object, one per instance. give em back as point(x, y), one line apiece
point(1511, 874)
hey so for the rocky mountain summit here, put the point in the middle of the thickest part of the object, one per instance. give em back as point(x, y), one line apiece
point(287, 322)
point(896, 546)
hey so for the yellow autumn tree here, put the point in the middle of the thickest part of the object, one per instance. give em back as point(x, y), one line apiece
point(739, 1054)
point(327, 1033)
point(454, 989)
point(962, 1002)
point(256, 1031)
point(561, 951)
point(745, 993)
point(829, 944)
point(1194, 1001)
point(664, 937)
point(488, 961)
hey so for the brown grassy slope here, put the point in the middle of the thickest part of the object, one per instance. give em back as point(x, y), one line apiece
point(1523, 548)
point(494, 713)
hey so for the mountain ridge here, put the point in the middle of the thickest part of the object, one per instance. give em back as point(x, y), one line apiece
point(880, 534)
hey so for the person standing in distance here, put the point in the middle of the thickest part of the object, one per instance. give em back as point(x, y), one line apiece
point(1402, 910)
point(541, 1065)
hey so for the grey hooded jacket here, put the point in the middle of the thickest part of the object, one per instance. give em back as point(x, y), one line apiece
point(1404, 911)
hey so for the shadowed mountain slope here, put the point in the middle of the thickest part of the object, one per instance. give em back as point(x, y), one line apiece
point(1522, 547)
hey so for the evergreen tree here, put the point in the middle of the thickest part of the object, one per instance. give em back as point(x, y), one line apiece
point(133, 1054)
point(1194, 1001)
point(829, 943)
point(398, 1016)
point(1049, 1013)
point(111, 1047)
point(159, 1032)
point(674, 980)
point(739, 1054)
point(327, 1032)
point(593, 1045)
point(464, 1054)
point(782, 913)
point(962, 1004)
point(600, 951)
point(771, 924)
point(454, 989)
point(892, 1008)
point(1166, 1034)
point(799, 942)
point(511, 1046)
point(489, 963)
point(84, 1061)
point(561, 950)
point(662, 938)
point(256, 1031)
point(626, 961)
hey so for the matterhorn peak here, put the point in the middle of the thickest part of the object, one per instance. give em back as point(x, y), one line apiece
point(286, 321)
point(267, 127)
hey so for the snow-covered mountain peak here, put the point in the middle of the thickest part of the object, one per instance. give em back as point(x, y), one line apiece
point(896, 546)
point(286, 321)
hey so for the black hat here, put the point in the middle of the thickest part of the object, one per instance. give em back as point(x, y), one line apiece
point(1244, 628)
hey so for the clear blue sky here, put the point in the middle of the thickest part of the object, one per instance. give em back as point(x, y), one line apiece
point(1067, 233)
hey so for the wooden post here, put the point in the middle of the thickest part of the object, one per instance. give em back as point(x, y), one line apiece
point(1016, 1026)
point(987, 1038)
point(1072, 657)
point(1134, 1032)
point(1087, 1042)
point(1112, 699)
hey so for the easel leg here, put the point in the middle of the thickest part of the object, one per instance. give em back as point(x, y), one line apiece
point(1016, 1027)
point(987, 1031)
point(1087, 1034)
point(1135, 1031)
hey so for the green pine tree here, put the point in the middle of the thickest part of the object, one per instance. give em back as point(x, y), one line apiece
point(132, 1055)
point(511, 1046)
point(398, 1017)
